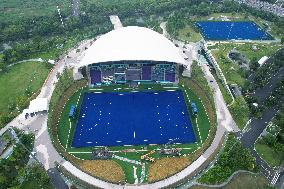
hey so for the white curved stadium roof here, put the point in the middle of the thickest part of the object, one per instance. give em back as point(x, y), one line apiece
point(132, 43)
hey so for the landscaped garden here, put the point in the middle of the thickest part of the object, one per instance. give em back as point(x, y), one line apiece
point(271, 146)
point(15, 172)
point(19, 83)
point(242, 180)
point(234, 157)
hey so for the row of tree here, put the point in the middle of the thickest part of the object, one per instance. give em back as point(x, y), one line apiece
point(234, 157)
point(14, 171)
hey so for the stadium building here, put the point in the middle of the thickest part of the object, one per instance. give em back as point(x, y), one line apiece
point(131, 55)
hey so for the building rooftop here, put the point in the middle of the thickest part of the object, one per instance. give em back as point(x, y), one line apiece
point(132, 43)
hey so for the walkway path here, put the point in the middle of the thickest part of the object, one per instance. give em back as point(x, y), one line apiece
point(28, 60)
point(127, 160)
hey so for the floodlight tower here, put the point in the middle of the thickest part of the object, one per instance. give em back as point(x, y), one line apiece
point(59, 13)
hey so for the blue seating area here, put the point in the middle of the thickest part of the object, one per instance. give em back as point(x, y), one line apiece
point(146, 72)
point(171, 77)
point(133, 118)
point(96, 76)
point(72, 111)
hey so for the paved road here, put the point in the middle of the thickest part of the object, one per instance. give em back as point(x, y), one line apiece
point(264, 92)
point(249, 137)
point(56, 179)
point(257, 126)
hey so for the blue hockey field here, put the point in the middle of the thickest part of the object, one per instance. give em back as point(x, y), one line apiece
point(133, 118)
point(227, 30)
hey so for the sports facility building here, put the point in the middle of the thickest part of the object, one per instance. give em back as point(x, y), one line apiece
point(131, 54)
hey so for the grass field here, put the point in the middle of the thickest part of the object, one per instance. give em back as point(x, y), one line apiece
point(272, 157)
point(65, 135)
point(240, 111)
point(104, 169)
point(243, 180)
point(188, 34)
point(16, 9)
point(17, 79)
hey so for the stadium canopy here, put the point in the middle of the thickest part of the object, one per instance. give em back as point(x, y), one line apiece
point(130, 44)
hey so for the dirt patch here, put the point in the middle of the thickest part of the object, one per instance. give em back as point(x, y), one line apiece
point(165, 167)
point(104, 169)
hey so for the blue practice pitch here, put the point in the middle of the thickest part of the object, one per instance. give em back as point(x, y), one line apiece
point(232, 31)
point(133, 118)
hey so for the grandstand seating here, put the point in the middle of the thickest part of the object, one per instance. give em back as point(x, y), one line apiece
point(133, 74)
point(120, 73)
point(146, 73)
point(170, 77)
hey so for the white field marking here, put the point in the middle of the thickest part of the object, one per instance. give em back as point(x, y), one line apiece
point(116, 151)
point(98, 92)
point(187, 95)
point(78, 99)
point(127, 160)
point(171, 90)
point(80, 152)
point(143, 173)
point(96, 89)
point(134, 134)
point(197, 116)
point(70, 125)
point(198, 129)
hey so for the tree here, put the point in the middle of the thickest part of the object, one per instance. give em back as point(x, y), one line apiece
point(254, 65)
point(33, 176)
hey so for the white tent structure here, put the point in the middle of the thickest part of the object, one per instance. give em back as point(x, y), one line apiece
point(262, 60)
point(132, 43)
point(36, 105)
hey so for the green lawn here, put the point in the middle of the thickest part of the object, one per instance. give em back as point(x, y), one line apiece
point(17, 79)
point(272, 157)
point(240, 112)
point(16, 9)
point(243, 180)
point(188, 34)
